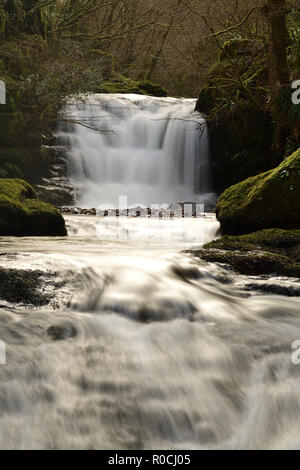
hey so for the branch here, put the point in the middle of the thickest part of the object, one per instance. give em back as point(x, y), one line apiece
point(80, 123)
point(231, 28)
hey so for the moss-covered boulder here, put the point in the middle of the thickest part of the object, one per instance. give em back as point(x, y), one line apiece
point(272, 251)
point(22, 214)
point(268, 200)
point(126, 85)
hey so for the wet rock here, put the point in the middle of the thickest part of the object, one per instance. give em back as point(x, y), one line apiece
point(264, 252)
point(62, 331)
point(276, 289)
point(22, 286)
point(186, 274)
point(78, 211)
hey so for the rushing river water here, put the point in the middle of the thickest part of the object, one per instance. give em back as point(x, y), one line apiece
point(161, 350)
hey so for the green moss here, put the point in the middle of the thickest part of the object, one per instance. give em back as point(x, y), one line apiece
point(22, 214)
point(22, 286)
point(234, 48)
point(274, 240)
point(152, 89)
point(126, 85)
point(267, 200)
point(272, 251)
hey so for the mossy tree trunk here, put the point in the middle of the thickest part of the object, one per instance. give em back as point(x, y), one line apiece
point(279, 79)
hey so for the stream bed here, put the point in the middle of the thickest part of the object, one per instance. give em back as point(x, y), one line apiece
point(142, 346)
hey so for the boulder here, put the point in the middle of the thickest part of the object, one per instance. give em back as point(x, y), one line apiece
point(22, 214)
point(268, 200)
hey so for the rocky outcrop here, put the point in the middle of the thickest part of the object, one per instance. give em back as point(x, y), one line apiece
point(22, 214)
point(271, 251)
point(268, 200)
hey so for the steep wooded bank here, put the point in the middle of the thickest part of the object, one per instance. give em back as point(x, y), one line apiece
point(248, 97)
point(49, 50)
point(254, 119)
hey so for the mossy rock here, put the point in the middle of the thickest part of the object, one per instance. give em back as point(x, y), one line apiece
point(22, 286)
point(126, 85)
point(152, 89)
point(22, 214)
point(272, 251)
point(268, 200)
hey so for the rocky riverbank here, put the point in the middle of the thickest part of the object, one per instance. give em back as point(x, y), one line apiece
point(271, 251)
point(260, 223)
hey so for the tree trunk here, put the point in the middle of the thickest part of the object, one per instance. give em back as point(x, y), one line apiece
point(276, 11)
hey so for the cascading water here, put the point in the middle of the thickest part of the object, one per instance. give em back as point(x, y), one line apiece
point(150, 150)
point(127, 341)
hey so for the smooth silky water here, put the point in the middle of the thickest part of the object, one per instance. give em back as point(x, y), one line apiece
point(166, 351)
point(151, 150)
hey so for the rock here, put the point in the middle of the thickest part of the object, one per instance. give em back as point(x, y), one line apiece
point(268, 200)
point(55, 196)
point(22, 286)
point(264, 252)
point(62, 331)
point(276, 289)
point(22, 214)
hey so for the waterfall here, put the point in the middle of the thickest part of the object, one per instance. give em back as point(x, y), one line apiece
point(149, 150)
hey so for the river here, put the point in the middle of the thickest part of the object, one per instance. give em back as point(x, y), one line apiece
point(161, 350)
point(141, 345)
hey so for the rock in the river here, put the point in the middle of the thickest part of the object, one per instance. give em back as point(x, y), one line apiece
point(22, 214)
point(268, 200)
point(61, 331)
point(272, 251)
point(22, 286)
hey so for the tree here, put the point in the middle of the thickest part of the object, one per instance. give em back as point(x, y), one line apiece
point(279, 77)
point(276, 11)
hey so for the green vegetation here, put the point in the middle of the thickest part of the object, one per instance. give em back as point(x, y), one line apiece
point(126, 85)
point(253, 124)
point(51, 49)
point(48, 51)
point(21, 214)
point(272, 251)
point(268, 200)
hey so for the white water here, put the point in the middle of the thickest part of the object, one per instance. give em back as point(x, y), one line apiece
point(150, 150)
point(170, 352)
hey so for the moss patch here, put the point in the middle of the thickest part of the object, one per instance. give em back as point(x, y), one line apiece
point(22, 214)
point(22, 286)
point(271, 251)
point(126, 85)
point(268, 200)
